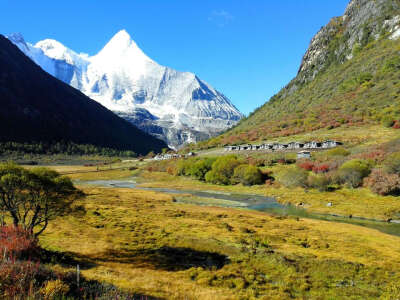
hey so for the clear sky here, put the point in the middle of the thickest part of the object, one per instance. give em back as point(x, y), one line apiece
point(247, 50)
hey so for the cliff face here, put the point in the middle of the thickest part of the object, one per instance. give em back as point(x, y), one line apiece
point(362, 22)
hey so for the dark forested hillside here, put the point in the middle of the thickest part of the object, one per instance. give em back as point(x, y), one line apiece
point(350, 75)
point(36, 107)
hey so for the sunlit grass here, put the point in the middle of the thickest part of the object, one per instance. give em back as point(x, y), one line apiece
point(116, 234)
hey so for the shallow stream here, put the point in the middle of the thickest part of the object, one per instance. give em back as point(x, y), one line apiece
point(254, 202)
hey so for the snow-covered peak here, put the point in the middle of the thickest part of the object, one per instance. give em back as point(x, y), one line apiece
point(56, 50)
point(122, 46)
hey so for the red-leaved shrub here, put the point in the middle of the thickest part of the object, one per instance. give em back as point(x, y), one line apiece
point(376, 156)
point(16, 243)
point(321, 168)
point(306, 165)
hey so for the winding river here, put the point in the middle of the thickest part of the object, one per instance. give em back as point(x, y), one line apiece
point(253, 202)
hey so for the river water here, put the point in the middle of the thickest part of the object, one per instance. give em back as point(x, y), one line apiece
point(253, 202)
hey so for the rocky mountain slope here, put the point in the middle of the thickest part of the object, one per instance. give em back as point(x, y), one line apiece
point(35, 107)
point(348, 76)
point(177, 107)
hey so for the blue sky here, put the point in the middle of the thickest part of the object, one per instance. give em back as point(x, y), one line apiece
point(247, 50)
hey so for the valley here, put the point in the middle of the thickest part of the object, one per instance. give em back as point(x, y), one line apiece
point(122, 178)
point(130, 233)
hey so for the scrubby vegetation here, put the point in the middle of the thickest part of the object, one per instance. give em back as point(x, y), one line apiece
point(224, 170)
point(8, 149)
point(25, 272)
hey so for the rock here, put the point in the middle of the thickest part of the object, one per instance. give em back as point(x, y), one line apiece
point(361, 23)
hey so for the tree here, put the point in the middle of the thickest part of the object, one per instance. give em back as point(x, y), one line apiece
point(392, 163)
point(247, 175)
point(353, 172)
point(293, 177)
point(34, 197)
point(200, 168)
point(222, 170)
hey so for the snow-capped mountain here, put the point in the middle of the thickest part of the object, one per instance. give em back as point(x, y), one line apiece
point(177, 107)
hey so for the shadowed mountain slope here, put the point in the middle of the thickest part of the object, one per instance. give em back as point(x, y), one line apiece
point(36, 107)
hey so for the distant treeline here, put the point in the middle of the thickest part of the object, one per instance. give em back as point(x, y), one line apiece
point(67, 148)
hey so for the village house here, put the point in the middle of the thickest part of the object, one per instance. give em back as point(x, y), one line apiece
point(303, 154)
point(312, 145)
point(331, 144)
point(282, 147)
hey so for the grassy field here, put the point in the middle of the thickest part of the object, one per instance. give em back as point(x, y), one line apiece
point(147, 243)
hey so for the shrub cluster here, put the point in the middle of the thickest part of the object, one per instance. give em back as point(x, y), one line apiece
point(293, 177)
point(224, 170)
point(323, 176)
point(247, 175)
point(316, 167)
point(16, 243)
point(352, 173)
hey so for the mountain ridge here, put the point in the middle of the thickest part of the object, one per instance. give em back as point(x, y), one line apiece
point(36, 107)
point(124, 79)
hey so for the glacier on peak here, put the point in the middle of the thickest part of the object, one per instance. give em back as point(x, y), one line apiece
point(175, 106)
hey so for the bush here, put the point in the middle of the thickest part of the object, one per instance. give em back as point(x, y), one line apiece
point(383, 183)
point(222, 170)
point(321, 168)
point(54, 289)
point(16, 278)
point(293, 177)
point(247, 175)
point(353, 172)
point(392, 163)
point(387, 121)
point(340, 151)
point(183, 166)
point(320, 182)
point(306, 165)
point(200, 168)
point(360, 165)
point(17, 243)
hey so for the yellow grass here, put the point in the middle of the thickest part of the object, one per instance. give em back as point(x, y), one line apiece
point(118, 229)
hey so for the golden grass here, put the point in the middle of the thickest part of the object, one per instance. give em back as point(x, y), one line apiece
point(115, 171)
point(270, 257)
